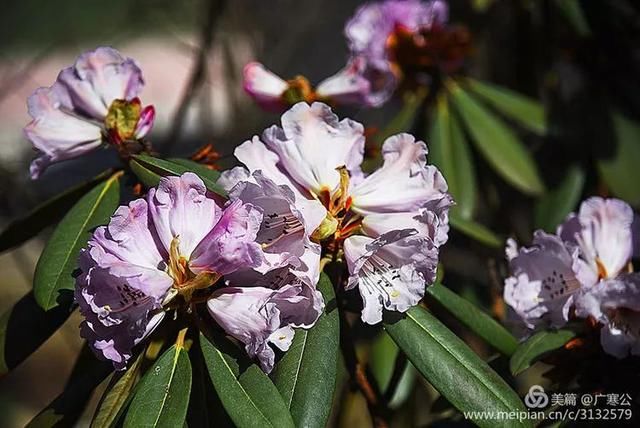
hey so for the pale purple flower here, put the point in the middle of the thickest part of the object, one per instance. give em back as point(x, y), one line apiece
point(391, 271)
point(261, 311)
point(176, 241)
point(404, 183)
point(374, 23)
point(542, 283)
point(402, 208)
point(615, 303)
point(603, 231)
point(284, 234)
point(69, 118)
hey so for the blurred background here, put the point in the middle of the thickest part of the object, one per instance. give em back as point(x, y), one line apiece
point(579, 58)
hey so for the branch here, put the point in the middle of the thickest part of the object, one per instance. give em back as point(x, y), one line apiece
point(199, 71)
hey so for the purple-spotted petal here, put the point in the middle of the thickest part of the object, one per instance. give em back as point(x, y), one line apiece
point(404, 182)
point(391, 272)
point(128, 247)
point(117, 315)
point(283, 234)
point(542, 281)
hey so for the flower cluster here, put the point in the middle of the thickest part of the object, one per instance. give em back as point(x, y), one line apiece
point(390, 42)
point(389, 225)
point(253, 258)
point(91, 103)
point(582, 271)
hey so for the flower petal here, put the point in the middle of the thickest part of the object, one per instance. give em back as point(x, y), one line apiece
point(312, 143)
point(542, 281)
point(264, 87)
point(603, 231)
point(403, 183)
point(231, 244)
point(391, 272)
point(180, 208)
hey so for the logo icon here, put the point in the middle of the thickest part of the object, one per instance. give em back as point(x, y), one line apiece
point(536, 398)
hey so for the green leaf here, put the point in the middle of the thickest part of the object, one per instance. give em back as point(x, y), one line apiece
point(475, 319)
point(536, 347)
point(475, 231)
point(448, 150)
point(60, 256)
point(554, 206)
point(116, 396)
point(524, 110)
point(306, 374)
point(162, 397)
point(66, 409)
point(247, 394)
point(382, 361)
point(621, 171)
point(572, 10)
point(497, 142)
point(45, 214)
point(26, 326)
point(149, 170)
point(452, 368)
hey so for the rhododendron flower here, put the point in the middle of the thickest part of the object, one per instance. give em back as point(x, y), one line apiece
point(399, 210)
point(263, 310)
point(380, 32)
point(284, 234)
point(583, 267)
point(173, 243)
point(92, 102)
point(350, 86)
point(542, 282)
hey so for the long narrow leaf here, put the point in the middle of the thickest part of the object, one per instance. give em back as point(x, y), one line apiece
point(449, 151)
point(536, 347)
point(26, 326)
point(248, 395)
point(115, 397)
point(45, 214)
point(621, 171)
point(306, 374)
point(554, 206)
point(59, 258)
point(524, 110)
point(476, 231)
point(497, 142)
point(162, 397)
point(475, 319)
point(452, 368)
point(149, 170)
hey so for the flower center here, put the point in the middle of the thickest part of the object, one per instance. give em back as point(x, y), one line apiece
point(186, 282)
point(436, 48)
point(299, 90)
point(340, 221)
point(122, 119)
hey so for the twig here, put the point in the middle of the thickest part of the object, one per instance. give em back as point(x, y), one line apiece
point(199, 71)
point(361, 375)
point(398, 370)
